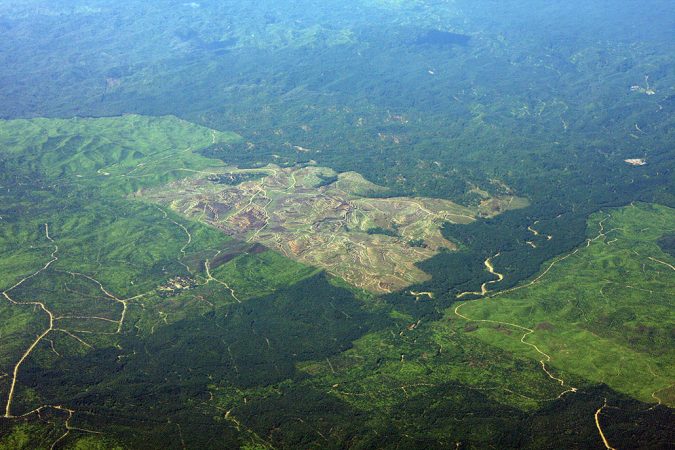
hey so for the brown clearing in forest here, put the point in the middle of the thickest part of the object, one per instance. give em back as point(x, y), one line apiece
point(327, 219)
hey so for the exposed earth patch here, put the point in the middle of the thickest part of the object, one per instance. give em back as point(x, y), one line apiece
point(337, 221)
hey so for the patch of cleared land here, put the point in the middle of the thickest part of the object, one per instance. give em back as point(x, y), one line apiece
point(337, 221)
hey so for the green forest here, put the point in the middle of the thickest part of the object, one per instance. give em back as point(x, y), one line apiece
point(126, 325)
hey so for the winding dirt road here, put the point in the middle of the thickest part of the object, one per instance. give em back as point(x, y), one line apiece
point(483, 287)
point(42, 336)
point(528, 331)
point(210, 277)
point(597, 424)
point(15, 372)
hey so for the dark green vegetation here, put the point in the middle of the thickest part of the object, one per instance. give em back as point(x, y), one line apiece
point(384, 231)
point(437, 37)
point(667, 243)
point(424, 97)
point(232, 179)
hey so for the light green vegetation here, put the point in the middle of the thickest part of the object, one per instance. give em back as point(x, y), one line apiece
point(258, 274)
point(113, 154)
point(80, 167)
point(95, 443)
point(384, 369)
point(19, 438)
point(26, 436)
point(603, 312)
point(74, 266)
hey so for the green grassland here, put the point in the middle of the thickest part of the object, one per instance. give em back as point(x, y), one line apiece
point(255, 275)
point(603, 312)
point(116, 155)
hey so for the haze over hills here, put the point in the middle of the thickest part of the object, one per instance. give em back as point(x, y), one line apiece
point(368, 224)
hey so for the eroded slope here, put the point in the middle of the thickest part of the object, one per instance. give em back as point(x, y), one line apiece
point(317, 216)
